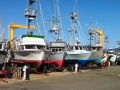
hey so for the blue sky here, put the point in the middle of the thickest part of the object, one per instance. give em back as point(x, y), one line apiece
point(103, 12)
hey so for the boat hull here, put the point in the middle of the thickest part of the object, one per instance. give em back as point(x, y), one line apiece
point(34, 58)
point(56, 58)
point(77, 57)
point(95, 57)
point(112, 58)
point(117, 60)
point(2, 58)
point(118, 57)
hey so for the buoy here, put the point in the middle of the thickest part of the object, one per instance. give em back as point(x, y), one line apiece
point(116, 63)
point(108, 63)
point(76, 67)
point(24, 72)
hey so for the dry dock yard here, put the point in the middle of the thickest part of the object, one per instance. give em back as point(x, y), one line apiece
point(94, 79)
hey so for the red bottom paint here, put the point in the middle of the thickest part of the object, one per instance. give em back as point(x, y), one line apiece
point(105, 65)
point(34, 63)
point(58, 63)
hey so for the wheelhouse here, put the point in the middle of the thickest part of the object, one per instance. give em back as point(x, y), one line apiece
point(31, 47)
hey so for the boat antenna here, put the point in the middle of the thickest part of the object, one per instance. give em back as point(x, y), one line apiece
point(30, 13)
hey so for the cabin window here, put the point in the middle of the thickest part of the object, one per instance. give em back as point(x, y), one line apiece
point(60, 49)
point(48, 48)
point(94, 48)
point(81, 48)
point(56, 50)
point(72, 48)
point(30, 47)
point(22, 47)
point(111, 52)
point(0, 46)
point(39, 47)
point(76, 48)
point(53, 50)
point(99, 49)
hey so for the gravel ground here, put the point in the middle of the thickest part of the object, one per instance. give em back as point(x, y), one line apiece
point(103, 79)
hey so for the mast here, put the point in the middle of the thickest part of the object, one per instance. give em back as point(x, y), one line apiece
point(56, 22)
point(91, 32)
point(73, 17)
point(30, 13)
point(2, 36)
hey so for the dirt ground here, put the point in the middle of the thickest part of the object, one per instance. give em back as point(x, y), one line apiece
point(97, 79)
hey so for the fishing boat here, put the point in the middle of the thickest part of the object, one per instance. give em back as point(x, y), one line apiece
point(30, 48)
point(111, 56)
point(56, 58)
point(57, 46)
point(76, 53)
point(118, 59)
point(3, 52)
point(96, 56)
point(97, 48)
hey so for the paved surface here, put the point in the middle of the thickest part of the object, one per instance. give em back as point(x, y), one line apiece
point(104, 79)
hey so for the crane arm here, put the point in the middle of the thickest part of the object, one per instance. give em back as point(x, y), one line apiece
point(13, 26)
point(100, 32)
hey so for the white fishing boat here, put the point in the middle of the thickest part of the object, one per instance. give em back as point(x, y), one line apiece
point(3, 53)
point(30, 48)
point(111, 56)
point(118, 58)
point(76, 53)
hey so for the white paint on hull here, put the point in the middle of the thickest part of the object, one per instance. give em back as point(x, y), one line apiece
point(30, 55)
point(78, 55)
point(113, 58)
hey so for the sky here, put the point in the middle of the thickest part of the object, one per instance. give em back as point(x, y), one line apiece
point(104, 13)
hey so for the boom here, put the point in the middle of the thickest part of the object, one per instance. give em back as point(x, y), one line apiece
point(13, 26)
point(100, 36)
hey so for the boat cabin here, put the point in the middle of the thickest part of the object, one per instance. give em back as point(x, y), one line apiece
point(72, 48)
point(110, 51)
point(55, 47)
point(31, 43)
point(95, 48)
point(2, 46)
point(31, 47)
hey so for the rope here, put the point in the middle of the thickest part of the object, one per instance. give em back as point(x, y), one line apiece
point(79, 34)
point(76, 10)
point(37, 25)
point(47, 8)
